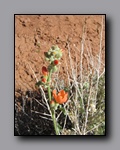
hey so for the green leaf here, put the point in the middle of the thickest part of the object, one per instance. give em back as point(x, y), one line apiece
point(63, 110)
point(54, 69)
point(38, 83)
point(58, 55)
point(56, 106)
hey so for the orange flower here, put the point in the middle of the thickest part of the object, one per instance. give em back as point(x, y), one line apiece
point(56, 62)
point(44, 71)
point(61, 97)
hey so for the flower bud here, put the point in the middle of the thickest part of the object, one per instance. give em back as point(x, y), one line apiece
point(44, 71)
point(43, 80)
point(56, 62)
point(52, 103)
point(58, 55)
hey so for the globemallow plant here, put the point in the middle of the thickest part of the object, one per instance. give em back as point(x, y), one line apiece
point(53, 57)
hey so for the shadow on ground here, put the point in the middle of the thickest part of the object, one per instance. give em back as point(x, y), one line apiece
point(30, 115)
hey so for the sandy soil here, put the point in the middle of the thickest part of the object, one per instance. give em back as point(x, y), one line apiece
point(35, 34)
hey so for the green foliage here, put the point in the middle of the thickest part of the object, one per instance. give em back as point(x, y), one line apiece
point(97, 120)
point(53, 54)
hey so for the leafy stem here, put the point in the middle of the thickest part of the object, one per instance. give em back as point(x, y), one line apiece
point(55, 123)
point(49, 89)
point(52, 110)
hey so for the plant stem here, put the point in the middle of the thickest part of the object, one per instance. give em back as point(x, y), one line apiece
point(53, 111)
point(49, 93)
point(49, 90)
point(55, 123)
